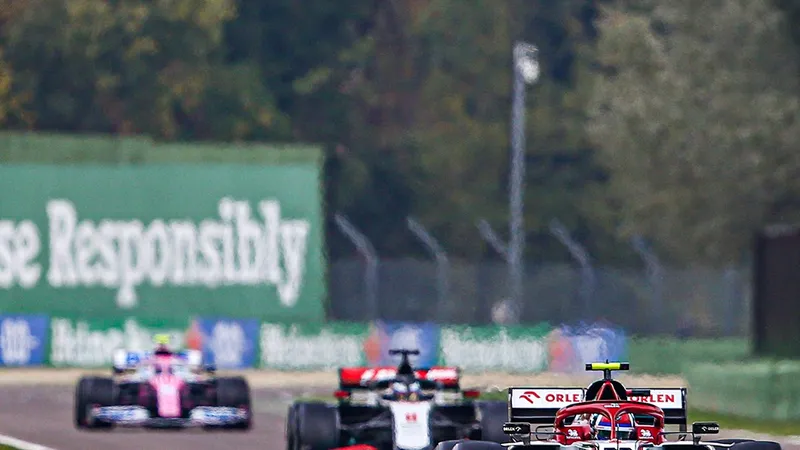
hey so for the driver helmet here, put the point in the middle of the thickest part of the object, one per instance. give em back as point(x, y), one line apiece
point(400, 391)
point(601, 425)
point(161, 342)
point(413, 391)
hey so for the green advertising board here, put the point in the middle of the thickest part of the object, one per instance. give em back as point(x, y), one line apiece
point(312, 346)
point(162, 241)
point(497, 348)
point(91, 343)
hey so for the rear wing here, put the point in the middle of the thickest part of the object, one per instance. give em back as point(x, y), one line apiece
point(361, 377)
point(539, 405)
point(125, 360)
point(671, 400)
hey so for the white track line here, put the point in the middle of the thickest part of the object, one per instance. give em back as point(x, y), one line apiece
point(20, 444)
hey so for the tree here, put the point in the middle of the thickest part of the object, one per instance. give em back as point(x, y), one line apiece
point(435, 96)
point(150, 67)
point(696, 116)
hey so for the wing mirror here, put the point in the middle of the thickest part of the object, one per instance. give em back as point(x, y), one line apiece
point(705, 428)
point(517, 428)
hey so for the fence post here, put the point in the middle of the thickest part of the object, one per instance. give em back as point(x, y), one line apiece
point(497, 244)
point(654, 271)
point(442, 262)
point(580, 255)
point(493, 239)
point(366, 250)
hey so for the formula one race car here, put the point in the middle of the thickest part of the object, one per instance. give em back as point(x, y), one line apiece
point(387, 408)
point(604, 416)
point(162, 389)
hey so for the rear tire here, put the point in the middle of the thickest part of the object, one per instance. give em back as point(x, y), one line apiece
point(234, 392)
point(757, 445)
point(478, 445)
point(291, 427)
point(90, 392)
point(492, 417)
point(317, 426)
point(447, 445)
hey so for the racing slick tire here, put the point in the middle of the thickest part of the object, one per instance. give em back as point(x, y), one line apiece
point(478, 445)
point(447, 445)
point(492, 417)
point(234, 392)
point(317, 426)
point(92, 391)
point(756, 445)
point(291, 427)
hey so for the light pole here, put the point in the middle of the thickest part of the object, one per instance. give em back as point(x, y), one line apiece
point(526, 71)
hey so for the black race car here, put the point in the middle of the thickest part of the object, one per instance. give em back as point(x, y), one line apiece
point(387, 408)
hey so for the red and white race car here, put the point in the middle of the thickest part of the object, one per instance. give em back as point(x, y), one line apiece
point(386, 408)
point(604, 416)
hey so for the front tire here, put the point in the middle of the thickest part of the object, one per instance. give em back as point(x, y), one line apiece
point(91, 392)
point(492, 417)
point(234, 392)
point(317, 426)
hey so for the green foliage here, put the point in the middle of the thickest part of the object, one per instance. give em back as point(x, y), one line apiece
point(670, 119)
point(151, 67)
point(696, 120)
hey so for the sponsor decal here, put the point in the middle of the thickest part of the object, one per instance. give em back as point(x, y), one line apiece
point(311, 346)
point(235, 249)
point(91, 343)
point(402, 335)
point(230, 343)
point(663, 398)
point(510, 349)
point(545, 397)
point(570, 347)
point(22, 340)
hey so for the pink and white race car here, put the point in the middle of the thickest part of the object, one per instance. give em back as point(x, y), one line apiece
point(162, 389)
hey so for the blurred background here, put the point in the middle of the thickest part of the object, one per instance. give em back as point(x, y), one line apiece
point(519, 185)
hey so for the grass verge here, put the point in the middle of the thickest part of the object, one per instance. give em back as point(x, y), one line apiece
point(777, 428)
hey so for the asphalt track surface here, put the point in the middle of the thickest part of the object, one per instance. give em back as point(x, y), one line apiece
point(43, 415)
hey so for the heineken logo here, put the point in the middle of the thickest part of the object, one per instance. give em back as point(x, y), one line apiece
point(240, 247)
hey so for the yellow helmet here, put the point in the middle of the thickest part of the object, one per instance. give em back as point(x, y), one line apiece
point(161, 339)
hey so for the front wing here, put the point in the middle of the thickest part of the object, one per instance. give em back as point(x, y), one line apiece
point(137, 416)
point(384, 421)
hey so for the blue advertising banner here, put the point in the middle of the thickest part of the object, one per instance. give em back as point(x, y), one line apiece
point(570, 348)
point(229, 343)
point(23, 339)
point(386, 335)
